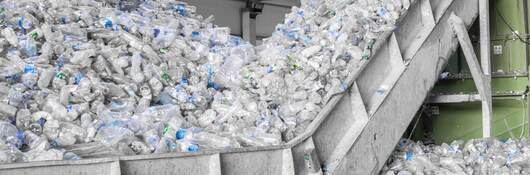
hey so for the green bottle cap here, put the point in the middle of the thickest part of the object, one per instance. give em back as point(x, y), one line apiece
point(164, 50)
point(34, 35)
point(60, 75)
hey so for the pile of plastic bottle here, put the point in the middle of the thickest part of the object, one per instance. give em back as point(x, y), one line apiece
point(480, 156)
point(89, 78)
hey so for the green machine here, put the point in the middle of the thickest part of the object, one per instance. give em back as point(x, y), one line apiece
point(510, 59)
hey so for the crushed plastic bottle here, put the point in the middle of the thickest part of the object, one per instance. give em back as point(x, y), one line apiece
point(10, 154)
point(10, 135)
point(71, 156)
point(478, 156)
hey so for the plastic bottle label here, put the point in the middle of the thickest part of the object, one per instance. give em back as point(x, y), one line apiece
point(408, 155)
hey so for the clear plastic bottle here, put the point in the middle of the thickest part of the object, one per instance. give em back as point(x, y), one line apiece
point(187, 146)
point(139, 147)
point(45, 78)
point(10, 36)
point(56, 109)
point(71, 156)
point(30, 76)
point(7, 109)
point(10, 154)
point(152, 139)
point(36, 142)
point(212, 141)
point(16, 95)
point(166, 145)
point(70, 134)
point(136, 72)
point(228, 75)
point(23, 118)
point(10, 134)
point(50, 128)
point(51, 154)
point(87, 123)
point(30, 47)
point(111, 135)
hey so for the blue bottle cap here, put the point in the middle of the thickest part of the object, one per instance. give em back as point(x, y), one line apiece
point(195, 35)
point(381, 11)
point(68, 108)
point(181, 9)
point(63, 19)
point(54, 143)
point(193, 148)
point(235, 40)
point(292, 35)
point(172, 146)
point(190, 99)
point(107, 23)
point(180, 134)
point(213, 85)
point(300, 13)
point(152, 140)
point(270, 69)
point(41, 122)
point(184, 80)
point(156, 32)
point(77, 78)
point(29, 68)
point(76, 46)
point(20, 135)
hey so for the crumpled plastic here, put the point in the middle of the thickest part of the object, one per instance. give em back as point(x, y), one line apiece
point(477, 156)
point(91, 78)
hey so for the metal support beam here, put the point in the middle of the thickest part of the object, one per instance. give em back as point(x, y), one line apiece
point(248, 20)
point(485, 59)
point(248, 26)
point(455, 98)
point(481, 79)
point(485, 42)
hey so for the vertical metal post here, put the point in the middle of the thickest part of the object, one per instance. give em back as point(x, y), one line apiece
point(485, 59)
point(248, 26)
point(526, 31)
